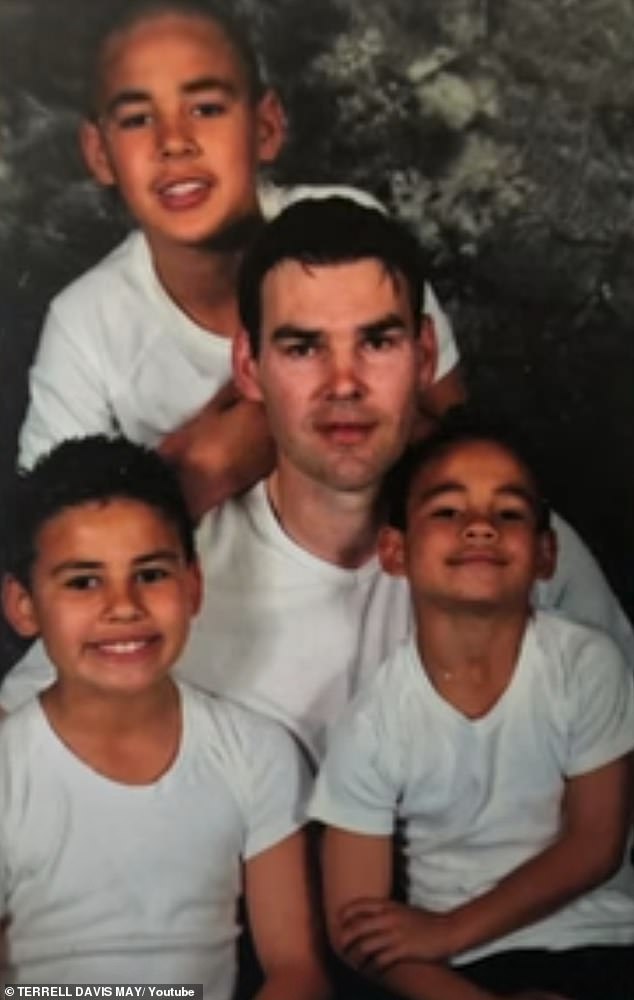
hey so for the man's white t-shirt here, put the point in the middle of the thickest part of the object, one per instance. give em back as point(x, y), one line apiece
point(105, 883)
point(293, 636)
point(479, 797)
point(118, 356)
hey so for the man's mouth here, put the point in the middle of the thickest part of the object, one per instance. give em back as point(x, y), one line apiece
point(343, 432)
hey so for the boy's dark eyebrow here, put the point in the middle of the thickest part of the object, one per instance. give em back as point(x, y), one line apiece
point(288, 331)
point(204, 83)
point(86, 565)
point(454, 486)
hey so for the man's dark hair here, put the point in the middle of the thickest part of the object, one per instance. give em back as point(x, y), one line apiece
point(85, 470)
point(461, 425)
point(323, 231)
point(125, 14)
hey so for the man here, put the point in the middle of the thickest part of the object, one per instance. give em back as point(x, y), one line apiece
point(297, 610)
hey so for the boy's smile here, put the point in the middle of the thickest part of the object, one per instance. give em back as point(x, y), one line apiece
point(472, 538)
point(179, 133)
point(111, 594)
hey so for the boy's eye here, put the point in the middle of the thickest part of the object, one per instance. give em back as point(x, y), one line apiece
point(513, 514)
point(82, 581)
point(208, 109)
point(151, 574)
point(445, 513)
point(138, 119)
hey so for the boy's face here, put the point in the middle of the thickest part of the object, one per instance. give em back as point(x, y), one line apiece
point(178, 131)
point(471, 539)
point(340, 363)
point(111, 595)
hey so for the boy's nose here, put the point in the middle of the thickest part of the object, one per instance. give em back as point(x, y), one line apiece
point(122, 603)
point(480, 528)
point(175, 139)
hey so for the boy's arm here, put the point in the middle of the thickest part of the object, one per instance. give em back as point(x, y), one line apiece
point(596, 812)
point(223, 450)
point(358, 867)
point(284, 918)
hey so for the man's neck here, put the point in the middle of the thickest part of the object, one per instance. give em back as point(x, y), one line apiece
point(339, 527)
point(202, 283)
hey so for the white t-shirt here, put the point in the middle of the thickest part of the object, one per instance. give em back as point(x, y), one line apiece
point(293, 636)
point(105, 883)
point(117, 355)
point(479, 797)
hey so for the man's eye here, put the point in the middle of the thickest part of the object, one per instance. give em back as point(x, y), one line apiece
point(83, 581)
point(300, 349)
point(137, 120)
point(151, 574)
point(379, 341)
point(208, 109)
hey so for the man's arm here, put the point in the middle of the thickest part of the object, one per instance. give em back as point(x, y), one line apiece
point(223, 450)
point(358, 867)
point(284, 918)
point(436, 399)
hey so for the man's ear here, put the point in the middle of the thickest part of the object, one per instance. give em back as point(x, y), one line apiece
point(18, 607)
point(245, 367)
point(95, 153)
point(391, 550)
point(428, 347)
point(546, 554)
point(270, 127)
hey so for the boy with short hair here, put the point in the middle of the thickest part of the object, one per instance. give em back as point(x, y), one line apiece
point(499, 738)
point(133, 807)
point(179, 121)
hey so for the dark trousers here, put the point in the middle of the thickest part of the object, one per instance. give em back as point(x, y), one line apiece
point(604, 973)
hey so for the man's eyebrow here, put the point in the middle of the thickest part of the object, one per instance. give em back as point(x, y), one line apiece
point(201, 84)
point(288, 331)
point(391, 321)
point(158, 555)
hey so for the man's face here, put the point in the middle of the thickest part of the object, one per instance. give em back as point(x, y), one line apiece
point(111, 594)
point(340, 364)
point(472, 539)
point(178, 132)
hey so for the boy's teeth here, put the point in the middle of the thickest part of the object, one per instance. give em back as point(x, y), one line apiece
point(124, 647)
point(184, 187)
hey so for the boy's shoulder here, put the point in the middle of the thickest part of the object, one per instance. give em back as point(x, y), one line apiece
point(23, 737)
point(128, 265)
point(574, 646)
point(274, 198)
point(233, 732)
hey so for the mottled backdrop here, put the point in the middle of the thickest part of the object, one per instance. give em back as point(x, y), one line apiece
point(502, 130)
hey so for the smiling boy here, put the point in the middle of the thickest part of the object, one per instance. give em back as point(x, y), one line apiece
point(134, 810)
point(179, 121)
point(499, 739)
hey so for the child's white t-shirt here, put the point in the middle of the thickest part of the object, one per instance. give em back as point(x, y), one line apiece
point(113, 883)
point(117, 355)
point(480, 797)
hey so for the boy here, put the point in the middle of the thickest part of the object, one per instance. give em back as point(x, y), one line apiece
point(132, 806)
point(499, 738)
point(179, 121)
